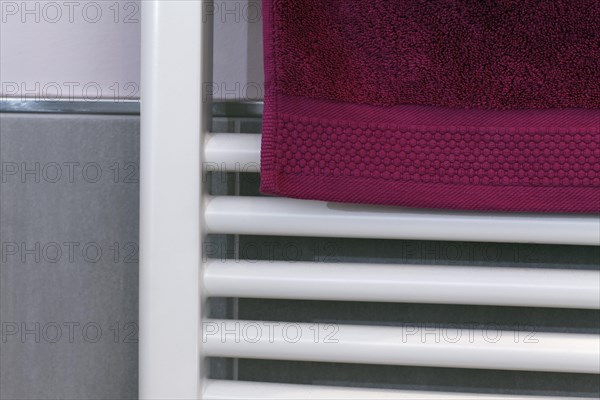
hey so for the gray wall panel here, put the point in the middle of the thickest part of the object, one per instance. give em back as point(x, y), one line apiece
point(51, 227)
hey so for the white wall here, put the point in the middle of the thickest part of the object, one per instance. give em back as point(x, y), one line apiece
point(91, 49)
point(78, 49)
point(238, 65)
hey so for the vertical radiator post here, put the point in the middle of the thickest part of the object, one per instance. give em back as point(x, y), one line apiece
point(175, 118)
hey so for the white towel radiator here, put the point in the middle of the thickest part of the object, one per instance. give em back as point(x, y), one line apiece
point(176, 216)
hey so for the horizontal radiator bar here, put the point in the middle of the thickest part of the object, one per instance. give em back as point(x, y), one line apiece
point(459, 347)
point(232, 152)
point(292, 217)
point(237, 390)
point(530, 287)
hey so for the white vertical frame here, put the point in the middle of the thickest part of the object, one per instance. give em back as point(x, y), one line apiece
point(175, 118)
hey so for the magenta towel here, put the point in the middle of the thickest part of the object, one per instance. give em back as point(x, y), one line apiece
point(452, 104)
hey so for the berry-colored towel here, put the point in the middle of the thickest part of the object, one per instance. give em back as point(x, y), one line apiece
point(455, 104)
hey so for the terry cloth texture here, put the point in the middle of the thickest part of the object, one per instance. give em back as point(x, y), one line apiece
point(455, 104)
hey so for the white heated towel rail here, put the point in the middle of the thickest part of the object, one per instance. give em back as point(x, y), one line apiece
point(175, 281)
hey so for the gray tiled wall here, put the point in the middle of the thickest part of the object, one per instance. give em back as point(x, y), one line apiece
point(69, 272)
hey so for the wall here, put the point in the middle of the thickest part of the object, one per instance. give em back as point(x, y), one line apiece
point(91, 50)
point(68, 256)
point(67, 50)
